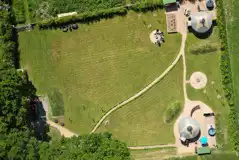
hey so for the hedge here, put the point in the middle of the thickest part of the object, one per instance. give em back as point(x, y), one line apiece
point(97, 15)
point(9, 40)
point(18, 7)
point(172, 112)
point(225, 68)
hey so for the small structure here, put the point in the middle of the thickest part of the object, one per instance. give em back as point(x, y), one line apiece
point(157, 37)
point(189, 128)
point(201, 22)
point(210, 4)
point(203, 140)
point(169, 2)
point(170, 5)
point(171, 22)
point(203, 150)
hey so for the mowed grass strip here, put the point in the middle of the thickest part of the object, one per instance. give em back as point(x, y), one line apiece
point(232, 12)
point(149, 154)
point(99, 65)
point(208, 63)
point(141, 122)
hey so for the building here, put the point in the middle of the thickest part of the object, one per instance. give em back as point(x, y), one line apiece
point(201, 22)
point(168, 2)
point(189, 128)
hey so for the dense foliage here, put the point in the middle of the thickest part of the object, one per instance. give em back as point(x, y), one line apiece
point(18, 7)
point(87, 147)
point(97, 15)
point(41, 9)
point(227, 77)
point(172, 112)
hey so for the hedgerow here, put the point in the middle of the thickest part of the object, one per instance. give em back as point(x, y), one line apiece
point(39, 8)
point(227, 77)
point(97, 15)
point(18, 7)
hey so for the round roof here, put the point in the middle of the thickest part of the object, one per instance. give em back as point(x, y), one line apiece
point(188, 128)
point(210, 3)
point(201, 22)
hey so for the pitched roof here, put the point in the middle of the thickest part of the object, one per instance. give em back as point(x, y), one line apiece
point(168, 1)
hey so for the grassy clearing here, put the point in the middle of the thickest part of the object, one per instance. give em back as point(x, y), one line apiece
point(208, 63)
point(150, 154)
point(231, 7)
point(141, 121)
point(99, 65)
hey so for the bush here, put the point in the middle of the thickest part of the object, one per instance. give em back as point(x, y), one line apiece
point(56, 102)
point(203, 48)
point(82, 18)
point(98, 15)
point(172, 112)
point(39, 9)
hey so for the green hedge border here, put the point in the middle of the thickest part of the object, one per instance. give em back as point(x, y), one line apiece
point(226, 74)
point(98, 15)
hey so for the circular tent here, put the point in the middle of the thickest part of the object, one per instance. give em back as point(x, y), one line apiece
point(201, 22)
point(188, 128)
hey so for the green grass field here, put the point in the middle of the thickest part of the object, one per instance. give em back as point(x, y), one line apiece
point(151, 154)
point(208, 63)
point(141, 121)
point(99, 65)
point(231, 7)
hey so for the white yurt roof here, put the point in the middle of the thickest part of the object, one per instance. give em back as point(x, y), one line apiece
point(201, 22)
point(189, 128)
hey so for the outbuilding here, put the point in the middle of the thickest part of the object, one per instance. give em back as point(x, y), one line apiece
point(201, 22)
point(189, 128)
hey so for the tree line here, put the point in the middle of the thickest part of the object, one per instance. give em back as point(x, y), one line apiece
point(18, 138)
point(88, 17)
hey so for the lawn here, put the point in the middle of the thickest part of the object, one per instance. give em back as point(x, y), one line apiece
point(99, 65)
point(149, 154)
point(232, 12)
point(141, 122)
point(208, 63)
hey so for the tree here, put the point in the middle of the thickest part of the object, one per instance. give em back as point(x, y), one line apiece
point(86, 147)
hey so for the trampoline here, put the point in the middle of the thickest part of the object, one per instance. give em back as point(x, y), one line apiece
point(212, 131)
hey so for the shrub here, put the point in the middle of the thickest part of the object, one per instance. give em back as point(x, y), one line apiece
point(172, 112)
point(203, 48)
point(88, 17)
point(56, 102)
